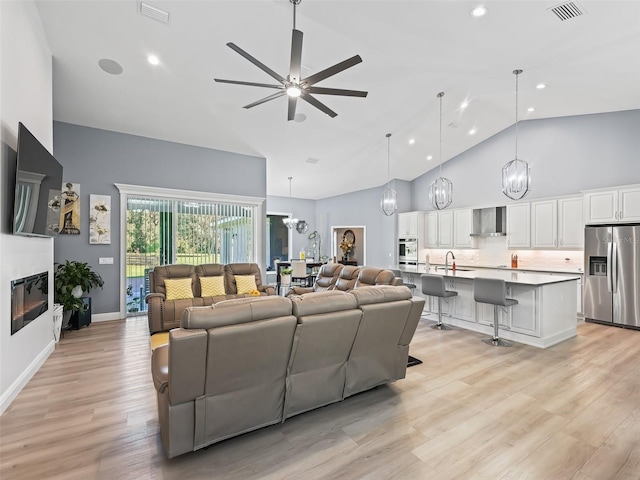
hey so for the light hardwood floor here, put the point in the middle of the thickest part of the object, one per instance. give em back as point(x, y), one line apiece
point(470, 411)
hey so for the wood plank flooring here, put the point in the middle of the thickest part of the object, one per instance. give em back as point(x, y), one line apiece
point(469, 411)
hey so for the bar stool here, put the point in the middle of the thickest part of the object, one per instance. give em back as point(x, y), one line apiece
point(494, 292)
point(433, 285)
point(398, 274)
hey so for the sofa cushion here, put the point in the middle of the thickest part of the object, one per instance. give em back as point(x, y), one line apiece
point(231, 312)
point(245, 284)
point(374, 276)
point(314, 303)
point(347, 278)
point(178, 288)
point(212, 286)
point(163, 272)
point(380, 294)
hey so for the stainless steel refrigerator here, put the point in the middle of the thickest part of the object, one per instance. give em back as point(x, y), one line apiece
point(612, 274)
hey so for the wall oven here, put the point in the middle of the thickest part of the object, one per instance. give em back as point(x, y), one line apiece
point(408, 251)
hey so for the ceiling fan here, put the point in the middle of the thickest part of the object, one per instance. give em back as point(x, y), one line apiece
point(293, 86)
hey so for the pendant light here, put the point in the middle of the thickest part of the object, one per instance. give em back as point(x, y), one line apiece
point(441, 189)
point(516, 175)
point(388, 201)
point(290, 222)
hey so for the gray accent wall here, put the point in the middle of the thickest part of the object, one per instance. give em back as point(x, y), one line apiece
point(566, 155)
point(97, 159)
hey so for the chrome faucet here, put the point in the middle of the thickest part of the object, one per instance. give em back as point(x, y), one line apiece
point(446, 261)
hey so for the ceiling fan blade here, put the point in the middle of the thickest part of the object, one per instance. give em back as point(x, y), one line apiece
point(251, 84)
point(337, 91)
point(293, 101)
point(296, 56)
point(328, 72)
point(266, 99)
point(319, 105)
point(256, 62)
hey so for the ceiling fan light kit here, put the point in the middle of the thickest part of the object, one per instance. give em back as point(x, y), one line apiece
point(293, 86)
point(441, 189)
point(516, 174)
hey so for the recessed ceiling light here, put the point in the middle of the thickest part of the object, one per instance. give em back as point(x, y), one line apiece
point(110, 66)
point(472, 131)
point(153, 60)
point(531, 109)
point(464, 105)
point(540, 86)
point(479, 12)
point(429, 157)
point(411, 141)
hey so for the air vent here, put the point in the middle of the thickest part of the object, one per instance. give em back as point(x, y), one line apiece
point(312, 160)
point(567, 11)
point(153, 12)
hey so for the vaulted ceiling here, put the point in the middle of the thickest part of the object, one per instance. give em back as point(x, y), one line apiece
point(411, 50)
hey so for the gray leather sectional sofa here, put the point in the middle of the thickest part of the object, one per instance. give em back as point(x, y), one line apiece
point(243, 364)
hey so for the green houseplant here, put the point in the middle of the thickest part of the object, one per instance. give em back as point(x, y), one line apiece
point(72, 280)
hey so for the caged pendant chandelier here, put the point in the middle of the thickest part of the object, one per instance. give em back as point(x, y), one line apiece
point(388, 201)
point(516, 175)
point(290, 222)
point(441, 189)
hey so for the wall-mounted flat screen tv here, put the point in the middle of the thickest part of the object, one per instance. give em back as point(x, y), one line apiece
point(36, 209)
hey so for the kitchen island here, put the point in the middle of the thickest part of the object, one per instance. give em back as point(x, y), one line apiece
point(545, 313)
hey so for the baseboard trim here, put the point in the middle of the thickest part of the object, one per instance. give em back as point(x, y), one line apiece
point(106, 317)
point(17, 386)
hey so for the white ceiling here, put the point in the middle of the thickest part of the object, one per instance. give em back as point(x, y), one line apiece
point(411, 50)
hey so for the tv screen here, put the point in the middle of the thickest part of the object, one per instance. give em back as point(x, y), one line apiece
point(36, 210)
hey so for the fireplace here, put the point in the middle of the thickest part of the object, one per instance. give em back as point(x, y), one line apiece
point(29, 299)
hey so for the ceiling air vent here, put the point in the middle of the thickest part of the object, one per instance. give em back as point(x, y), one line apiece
point(567, 11)
point(312, 160)
point(153, 12)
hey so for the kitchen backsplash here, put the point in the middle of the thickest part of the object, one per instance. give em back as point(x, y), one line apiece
point(492, 251)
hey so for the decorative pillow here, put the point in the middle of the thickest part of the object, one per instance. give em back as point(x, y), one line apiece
point(245, 284)
point(212, 286)
point(178, 288)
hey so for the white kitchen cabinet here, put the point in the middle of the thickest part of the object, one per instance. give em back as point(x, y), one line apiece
point(544, 224)
point(520, 318)
point(464, 307)
point(613, 205)
point(570, 223)
point(518, 225)
point(557, 223)
point(439, 226)
point(462, 228)
point(411, 225)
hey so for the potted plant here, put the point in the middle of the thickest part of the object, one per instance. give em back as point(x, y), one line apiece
point(72, 280)
point(285, 275)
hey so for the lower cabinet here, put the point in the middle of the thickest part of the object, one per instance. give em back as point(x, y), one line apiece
point(463, 304)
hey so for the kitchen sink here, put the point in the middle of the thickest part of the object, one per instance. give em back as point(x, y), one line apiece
point(457, 269)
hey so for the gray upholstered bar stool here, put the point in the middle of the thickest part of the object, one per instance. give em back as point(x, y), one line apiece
point(494, 292)
point(433, 285)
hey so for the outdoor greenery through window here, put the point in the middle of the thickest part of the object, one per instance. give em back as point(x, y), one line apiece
point(162, 231)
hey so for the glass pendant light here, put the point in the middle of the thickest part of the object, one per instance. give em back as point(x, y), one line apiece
point(441, 189)
point(516, 175)
point(389, 201)
point(290, 222)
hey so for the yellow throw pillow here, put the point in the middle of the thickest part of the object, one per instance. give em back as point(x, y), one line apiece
point(178, 288)
point(245, 284)
point(212, 286)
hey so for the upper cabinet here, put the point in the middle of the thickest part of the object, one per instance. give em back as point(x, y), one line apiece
point(518, 225)
point(612, 205)
point(439, 226)
point(410, 224)
point(462, 228)
point(557, 223)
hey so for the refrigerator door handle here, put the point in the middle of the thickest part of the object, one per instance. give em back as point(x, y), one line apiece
point(614, 268)
point(609, 277)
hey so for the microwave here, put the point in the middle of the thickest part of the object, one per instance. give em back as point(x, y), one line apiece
point(407, 250)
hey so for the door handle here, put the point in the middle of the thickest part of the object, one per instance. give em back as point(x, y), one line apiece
point(615, 215)
point(614, 268)
point(609, 266)
point(620, 215)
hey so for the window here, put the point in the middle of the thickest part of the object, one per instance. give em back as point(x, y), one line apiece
point(277, 240)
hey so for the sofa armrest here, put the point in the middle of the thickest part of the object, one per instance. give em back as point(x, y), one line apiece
point(268, 289)
point(300, 290)
point(154, 312)
point(187, 361)
point(160, 367)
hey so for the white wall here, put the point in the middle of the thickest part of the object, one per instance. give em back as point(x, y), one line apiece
point(25, 96)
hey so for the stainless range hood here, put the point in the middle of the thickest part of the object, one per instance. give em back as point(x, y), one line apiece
point(489, 222)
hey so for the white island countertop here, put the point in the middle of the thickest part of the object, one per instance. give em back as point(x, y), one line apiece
point(520, 277)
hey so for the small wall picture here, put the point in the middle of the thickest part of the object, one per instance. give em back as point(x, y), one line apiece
point(70, 209)
point(100, 219)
